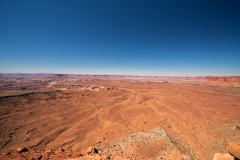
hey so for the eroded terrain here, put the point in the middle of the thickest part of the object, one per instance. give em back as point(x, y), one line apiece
point(133, 120)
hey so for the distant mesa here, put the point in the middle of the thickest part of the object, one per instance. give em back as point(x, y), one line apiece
point(61, 75)
point(233, 81)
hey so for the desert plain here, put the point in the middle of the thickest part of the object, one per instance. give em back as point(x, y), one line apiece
point(55, 116)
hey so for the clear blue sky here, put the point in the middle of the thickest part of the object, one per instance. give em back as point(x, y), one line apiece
point(161, 37)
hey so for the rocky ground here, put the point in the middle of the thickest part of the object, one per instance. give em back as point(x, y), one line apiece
point(130, 120)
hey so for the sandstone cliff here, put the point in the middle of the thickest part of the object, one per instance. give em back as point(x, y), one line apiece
point(231, 81)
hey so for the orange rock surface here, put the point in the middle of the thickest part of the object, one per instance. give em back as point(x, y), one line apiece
point(234, 149)
point(219, 156)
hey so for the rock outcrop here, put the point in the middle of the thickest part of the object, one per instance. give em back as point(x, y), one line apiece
point(234, 149)
point(219, 156)
point(75, 86)
point(233, 152)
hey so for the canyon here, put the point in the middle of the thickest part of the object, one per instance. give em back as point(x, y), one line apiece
point(57, 116)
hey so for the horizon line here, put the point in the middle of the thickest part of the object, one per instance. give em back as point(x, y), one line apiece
point(120, 74)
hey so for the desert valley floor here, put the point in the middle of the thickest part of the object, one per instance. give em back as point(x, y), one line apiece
point(121, 120)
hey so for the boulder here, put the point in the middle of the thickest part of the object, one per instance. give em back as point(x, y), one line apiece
point(21, 149)
point(89, 150)
point(219, 156)
point(234, 149)
point(37, 156)
point(60, 150)
point(7, 153)
point(49, 151)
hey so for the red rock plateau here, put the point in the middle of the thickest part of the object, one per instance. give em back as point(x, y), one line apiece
point(116, 117)
point(228, 81)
